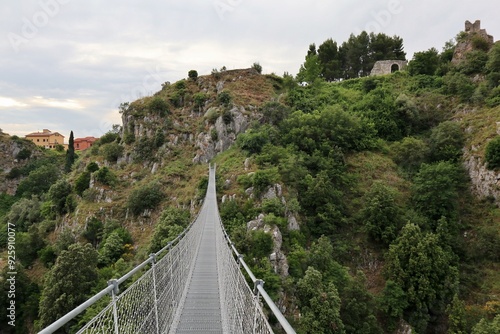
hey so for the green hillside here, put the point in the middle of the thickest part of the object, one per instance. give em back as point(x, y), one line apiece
point(367, 205)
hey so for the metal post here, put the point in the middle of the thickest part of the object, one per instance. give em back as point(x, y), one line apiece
point(153, 272)
point(114, 293)
point(257, 297)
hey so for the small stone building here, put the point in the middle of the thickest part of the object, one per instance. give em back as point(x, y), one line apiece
point(382, 67)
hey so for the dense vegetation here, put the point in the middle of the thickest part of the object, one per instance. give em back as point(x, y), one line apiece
point(388, 233)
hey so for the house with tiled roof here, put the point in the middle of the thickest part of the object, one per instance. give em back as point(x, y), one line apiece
point(47, 139)
point(81, 144)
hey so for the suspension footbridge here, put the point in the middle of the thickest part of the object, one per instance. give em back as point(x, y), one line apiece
point(195, 284)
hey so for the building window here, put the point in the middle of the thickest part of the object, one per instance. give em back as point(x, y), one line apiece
point(38, 140)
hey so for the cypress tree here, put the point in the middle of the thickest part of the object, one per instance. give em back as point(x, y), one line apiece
point(70, 153)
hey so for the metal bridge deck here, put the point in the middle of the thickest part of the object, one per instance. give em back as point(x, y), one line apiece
point(201, 309)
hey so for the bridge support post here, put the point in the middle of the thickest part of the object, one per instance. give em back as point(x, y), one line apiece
point(153, 272)
point(114, 293)
point(257, 297)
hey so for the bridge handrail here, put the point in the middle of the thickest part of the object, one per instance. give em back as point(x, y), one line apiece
point(259, 285)
point(114, 284)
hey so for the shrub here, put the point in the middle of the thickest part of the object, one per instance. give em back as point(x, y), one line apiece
point(159, 138)
point(14, 173)
point(193, 75)
point(459, 84)
point(129, 137)
point(105, 176)
point(23, 154)
point(58, 194)
point(108, 137)
point(158, 106)
point(214, 135)
point(171, 223)
point(224, 98)
point(143, 149)
point(111, 151)
point(227, 117)
point(199, 99)
point(82, 183)
point(146, 197)
point(492, 153)
point(257, 67)
point(212, 115)
point(446, 141)
point(92, 167)
point(410, 153)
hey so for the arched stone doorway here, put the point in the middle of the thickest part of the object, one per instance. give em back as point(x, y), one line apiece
point(394, 68)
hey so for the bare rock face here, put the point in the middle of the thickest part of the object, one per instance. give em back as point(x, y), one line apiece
point(485, 182)
point(9, 149)
point(403, 328)
point(226, 133)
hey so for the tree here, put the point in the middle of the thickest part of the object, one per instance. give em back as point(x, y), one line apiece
point(58, 194)
point(193, 75)
point(357, 310)
point(486, 327)
point(68, 283)
point(493, 66)
point(410, 153)
point(425, 62)
point(321, 258)
point(171, 223)
point(392, 303)
point(257, 67)
point(111, 250)
point(446, 141)
point(425, 271)
point(24, 213)
point(38, 181)
point(311, 69)
point(435, 189)
point(380, 214)
point(319, 304)
point(329, 58)
point(70, 153)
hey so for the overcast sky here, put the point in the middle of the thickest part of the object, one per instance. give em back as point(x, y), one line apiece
point(68, 64)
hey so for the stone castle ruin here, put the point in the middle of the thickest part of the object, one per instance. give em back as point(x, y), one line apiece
point(475, 28)
point(465, 44)
point(382, 67)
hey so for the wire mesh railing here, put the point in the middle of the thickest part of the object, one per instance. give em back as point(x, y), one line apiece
point(149, 304)
point(241, 306)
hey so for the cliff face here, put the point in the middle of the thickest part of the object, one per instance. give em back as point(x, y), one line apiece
point(15, 153)
point(202, 116)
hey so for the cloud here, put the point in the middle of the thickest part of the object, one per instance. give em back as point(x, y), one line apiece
point(7, 102)
point(92, 55)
